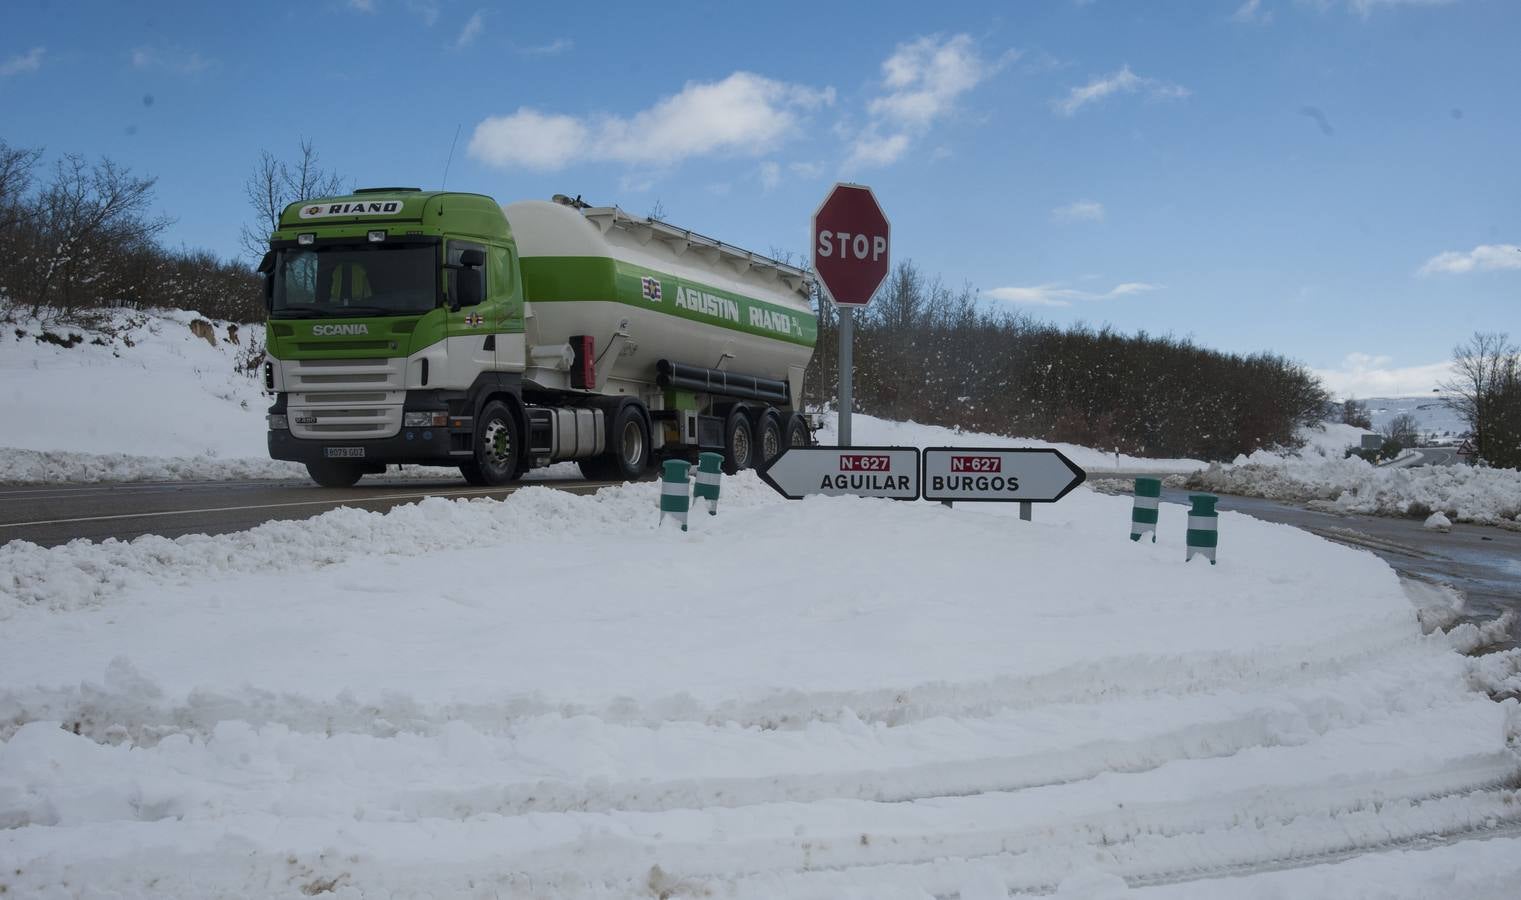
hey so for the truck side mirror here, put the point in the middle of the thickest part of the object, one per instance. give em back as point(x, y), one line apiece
point(472, 258)
point(266, 268)
point(468, 286)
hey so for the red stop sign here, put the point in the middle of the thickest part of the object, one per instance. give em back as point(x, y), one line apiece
point(851, 243)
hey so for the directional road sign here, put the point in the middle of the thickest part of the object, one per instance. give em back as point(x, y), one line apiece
point(890, 472)
point(1027, 474)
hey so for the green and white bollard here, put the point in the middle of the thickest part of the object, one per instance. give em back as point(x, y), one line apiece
point(1203, 534)
point(1143, 516)
point(709, 472)
point(673, 491)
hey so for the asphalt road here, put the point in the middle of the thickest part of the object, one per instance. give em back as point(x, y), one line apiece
point(1437, 456)
point(56, 515)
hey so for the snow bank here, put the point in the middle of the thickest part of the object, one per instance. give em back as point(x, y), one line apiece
point(553, 696)
point(1318, 472)
point(1462, 493)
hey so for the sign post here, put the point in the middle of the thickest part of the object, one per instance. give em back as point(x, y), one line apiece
point(1022, 475)
point(888, 472)
point(852, 245)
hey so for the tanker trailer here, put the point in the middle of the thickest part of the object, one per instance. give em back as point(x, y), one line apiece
point(432, 328)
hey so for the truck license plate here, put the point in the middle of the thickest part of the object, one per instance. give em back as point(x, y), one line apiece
point(343, 452)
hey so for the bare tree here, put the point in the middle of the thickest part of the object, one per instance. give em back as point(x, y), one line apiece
point(275, 184)
point(1403, 428)
point(1354, 412)
point(1483, 391)
point(84, 220)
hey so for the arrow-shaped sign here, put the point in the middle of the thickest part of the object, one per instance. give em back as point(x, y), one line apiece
point(1027, 475)
point(890, 472)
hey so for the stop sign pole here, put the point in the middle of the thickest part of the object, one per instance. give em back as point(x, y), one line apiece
point(851, 251)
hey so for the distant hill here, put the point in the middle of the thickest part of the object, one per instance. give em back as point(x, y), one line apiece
point(1430, 412)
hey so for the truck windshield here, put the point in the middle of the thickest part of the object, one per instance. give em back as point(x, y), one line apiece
point(360, 280)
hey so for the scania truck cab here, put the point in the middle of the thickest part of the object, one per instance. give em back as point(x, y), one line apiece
point(434, 328)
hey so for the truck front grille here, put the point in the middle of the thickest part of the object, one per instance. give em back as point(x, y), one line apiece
point(346, 399)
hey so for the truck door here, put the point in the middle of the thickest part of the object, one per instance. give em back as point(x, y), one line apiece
point(472, 349)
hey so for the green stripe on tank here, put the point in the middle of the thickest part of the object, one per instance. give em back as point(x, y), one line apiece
point(550, 279)
point(1143, 515)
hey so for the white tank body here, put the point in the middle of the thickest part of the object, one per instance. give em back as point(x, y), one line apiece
point(669, 293)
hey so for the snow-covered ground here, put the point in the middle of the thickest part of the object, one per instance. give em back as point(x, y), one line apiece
point(1319, 474)
point(550, 696)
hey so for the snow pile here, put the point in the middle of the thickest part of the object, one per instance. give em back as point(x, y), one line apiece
point(869, 430)
point(1319, 472)
point(1462, 493)
point(1328, 440)
point(553, 696)
point(1438, 522)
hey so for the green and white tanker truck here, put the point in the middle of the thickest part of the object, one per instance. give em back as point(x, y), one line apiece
point(442, 329)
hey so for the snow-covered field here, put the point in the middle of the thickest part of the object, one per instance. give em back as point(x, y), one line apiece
point(1320, 475)
point(153, 402)
point(550, 696)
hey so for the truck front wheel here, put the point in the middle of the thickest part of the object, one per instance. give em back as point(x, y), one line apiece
point(496, 447)
point(332, 473)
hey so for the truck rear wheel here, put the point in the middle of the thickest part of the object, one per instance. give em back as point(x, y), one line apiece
point(628, 448)
point(739, 443)
point(332, 473)
point(496, 447)
point(768, 436)
point(794, 431)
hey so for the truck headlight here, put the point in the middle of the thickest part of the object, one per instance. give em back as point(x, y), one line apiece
point(279, 422)
point(424, 419)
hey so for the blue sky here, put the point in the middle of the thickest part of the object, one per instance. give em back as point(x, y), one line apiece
point(1334, 180)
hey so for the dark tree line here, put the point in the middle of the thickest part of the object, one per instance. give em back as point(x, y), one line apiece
point(81, 235)
point(935, 355)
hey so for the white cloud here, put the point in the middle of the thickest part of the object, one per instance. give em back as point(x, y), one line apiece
point(1123, 81)
point(1080, 211)
point(427, 10)
point(170, 60)
point(553, 48)
point(1366, 7)
point(924, 77)
point(364, 6)
point(1483, 258)
point(770, 175)
point(471, 31)
point(29, 61)
point(806, 169)
point(871, 149)
point(742, 114)
point(1251, 13)
point(921, 82)
point(1059, 294)
point(1367, 375)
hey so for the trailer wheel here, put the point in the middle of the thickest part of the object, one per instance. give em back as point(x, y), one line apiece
point(739, 443)
point(628, 449)
point(795, 431)
point(768, 436)
point(335, 474)
point(496, 447)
